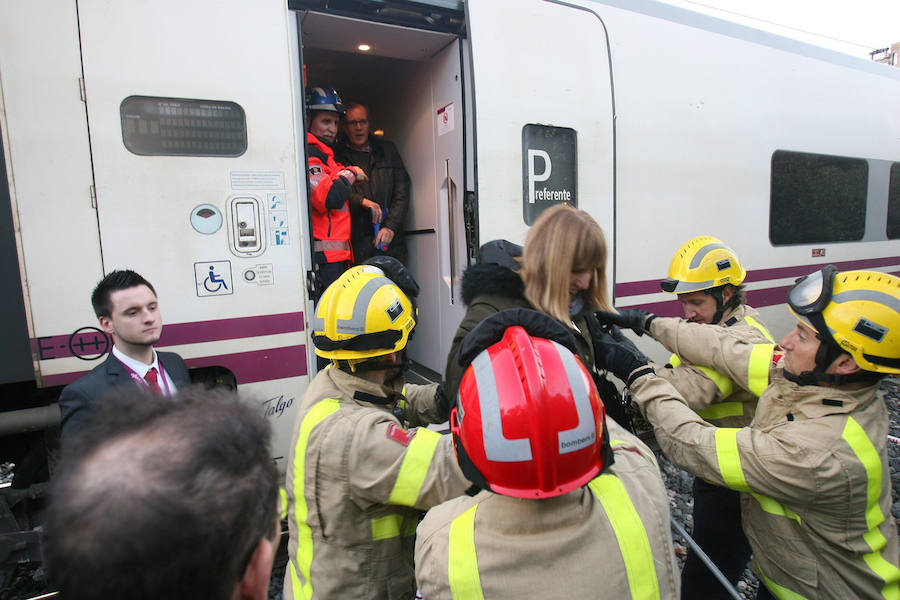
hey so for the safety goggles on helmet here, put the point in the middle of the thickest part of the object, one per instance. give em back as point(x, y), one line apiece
point(812, 293)
point(852, 312)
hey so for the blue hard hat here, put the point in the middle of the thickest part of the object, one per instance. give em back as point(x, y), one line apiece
point(324, 98)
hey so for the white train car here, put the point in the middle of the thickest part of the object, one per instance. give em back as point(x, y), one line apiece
point(168, 137)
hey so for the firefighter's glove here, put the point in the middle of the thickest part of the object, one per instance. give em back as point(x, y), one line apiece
point(621, 358)
point(634, 319)
point(441, 403)
point(620, 338)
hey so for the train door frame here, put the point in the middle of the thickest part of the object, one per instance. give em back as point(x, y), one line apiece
point(428, 221)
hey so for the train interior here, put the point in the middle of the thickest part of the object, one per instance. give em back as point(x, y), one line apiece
point(409, 78)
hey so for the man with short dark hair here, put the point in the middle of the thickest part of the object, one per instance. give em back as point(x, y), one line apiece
point(383, 199)
point(164, 498)
point(126, 306)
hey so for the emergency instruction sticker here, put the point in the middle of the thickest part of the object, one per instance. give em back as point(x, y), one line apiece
point(279, 231)
point(257, 180)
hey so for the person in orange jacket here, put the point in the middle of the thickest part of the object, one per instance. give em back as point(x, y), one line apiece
point(329, 187)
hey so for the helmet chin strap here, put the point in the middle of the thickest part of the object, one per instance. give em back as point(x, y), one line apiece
point(827, 353)
point(379, 363)
point(716, 293)
point(818, 378)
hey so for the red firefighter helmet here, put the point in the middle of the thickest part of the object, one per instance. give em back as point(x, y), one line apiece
point(529, 422)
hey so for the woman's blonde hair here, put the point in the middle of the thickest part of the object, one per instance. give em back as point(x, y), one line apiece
point(564, 240)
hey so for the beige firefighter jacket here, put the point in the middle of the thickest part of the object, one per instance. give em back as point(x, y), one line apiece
point(357, 480)
point(710, 394)
point(609, 539)
point(812, 465)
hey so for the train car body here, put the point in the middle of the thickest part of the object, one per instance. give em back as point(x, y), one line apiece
point(169, 137)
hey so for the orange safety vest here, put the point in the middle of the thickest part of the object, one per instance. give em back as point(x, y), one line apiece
point(328, 195)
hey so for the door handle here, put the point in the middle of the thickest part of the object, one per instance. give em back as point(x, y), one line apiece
point(246, 226)
point(451, 232)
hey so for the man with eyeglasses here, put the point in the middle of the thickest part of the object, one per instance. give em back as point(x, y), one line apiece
point(812, 466)
point(377, 206)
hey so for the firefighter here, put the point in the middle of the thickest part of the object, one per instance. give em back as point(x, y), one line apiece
point(329, 187)
point(570, 500)
point(358, 477)
point(812, 467)
point(707, 278)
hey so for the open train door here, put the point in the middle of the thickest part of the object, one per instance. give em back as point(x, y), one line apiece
point(437, 238)
point(544, 114)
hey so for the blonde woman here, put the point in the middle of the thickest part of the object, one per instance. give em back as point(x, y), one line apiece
point(561, 272)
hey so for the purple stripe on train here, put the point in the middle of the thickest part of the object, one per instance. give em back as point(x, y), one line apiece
point(755, 298)
point(635, 288)
point(248, 367)
point(90, 343)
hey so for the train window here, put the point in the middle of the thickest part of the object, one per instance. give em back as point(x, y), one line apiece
point(817, 198)
point(153, 126)
point(893, 219)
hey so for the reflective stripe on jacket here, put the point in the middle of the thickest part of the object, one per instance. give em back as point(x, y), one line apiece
point(357, 480)
point(328, 196)
point(711, 394)
point(744, 360)
point(609, 539)
point(812, 466)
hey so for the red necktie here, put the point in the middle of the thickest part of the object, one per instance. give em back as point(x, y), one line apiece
point(152, 382)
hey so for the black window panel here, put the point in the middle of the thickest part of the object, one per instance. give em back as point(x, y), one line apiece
point(817, 198)
point(154, 126)
point(893, 218)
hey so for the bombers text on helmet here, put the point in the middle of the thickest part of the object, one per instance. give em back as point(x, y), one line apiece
point(363, 314)
point(529, 422)
point(703, 263)
point(324, 98)
point(857, 312)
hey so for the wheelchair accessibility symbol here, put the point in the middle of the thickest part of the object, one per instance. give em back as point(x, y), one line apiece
point(213, 278)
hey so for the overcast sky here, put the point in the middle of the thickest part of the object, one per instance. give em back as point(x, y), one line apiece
point(852, 26)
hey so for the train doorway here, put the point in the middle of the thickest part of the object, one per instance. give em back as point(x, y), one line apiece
point(413, 81)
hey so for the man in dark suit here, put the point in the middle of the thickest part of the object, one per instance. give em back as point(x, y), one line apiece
point(126, 306)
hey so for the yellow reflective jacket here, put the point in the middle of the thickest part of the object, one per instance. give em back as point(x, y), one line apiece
point(357, 480)
point(609, 539)
point(709, 393)
point(812, 467)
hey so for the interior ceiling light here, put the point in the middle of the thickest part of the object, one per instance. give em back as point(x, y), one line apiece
point(364, 47)
point(378, 132)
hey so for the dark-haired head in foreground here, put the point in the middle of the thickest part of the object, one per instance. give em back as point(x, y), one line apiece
point(165, 498)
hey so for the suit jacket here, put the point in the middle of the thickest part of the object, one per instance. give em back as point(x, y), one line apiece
point(79, 397)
